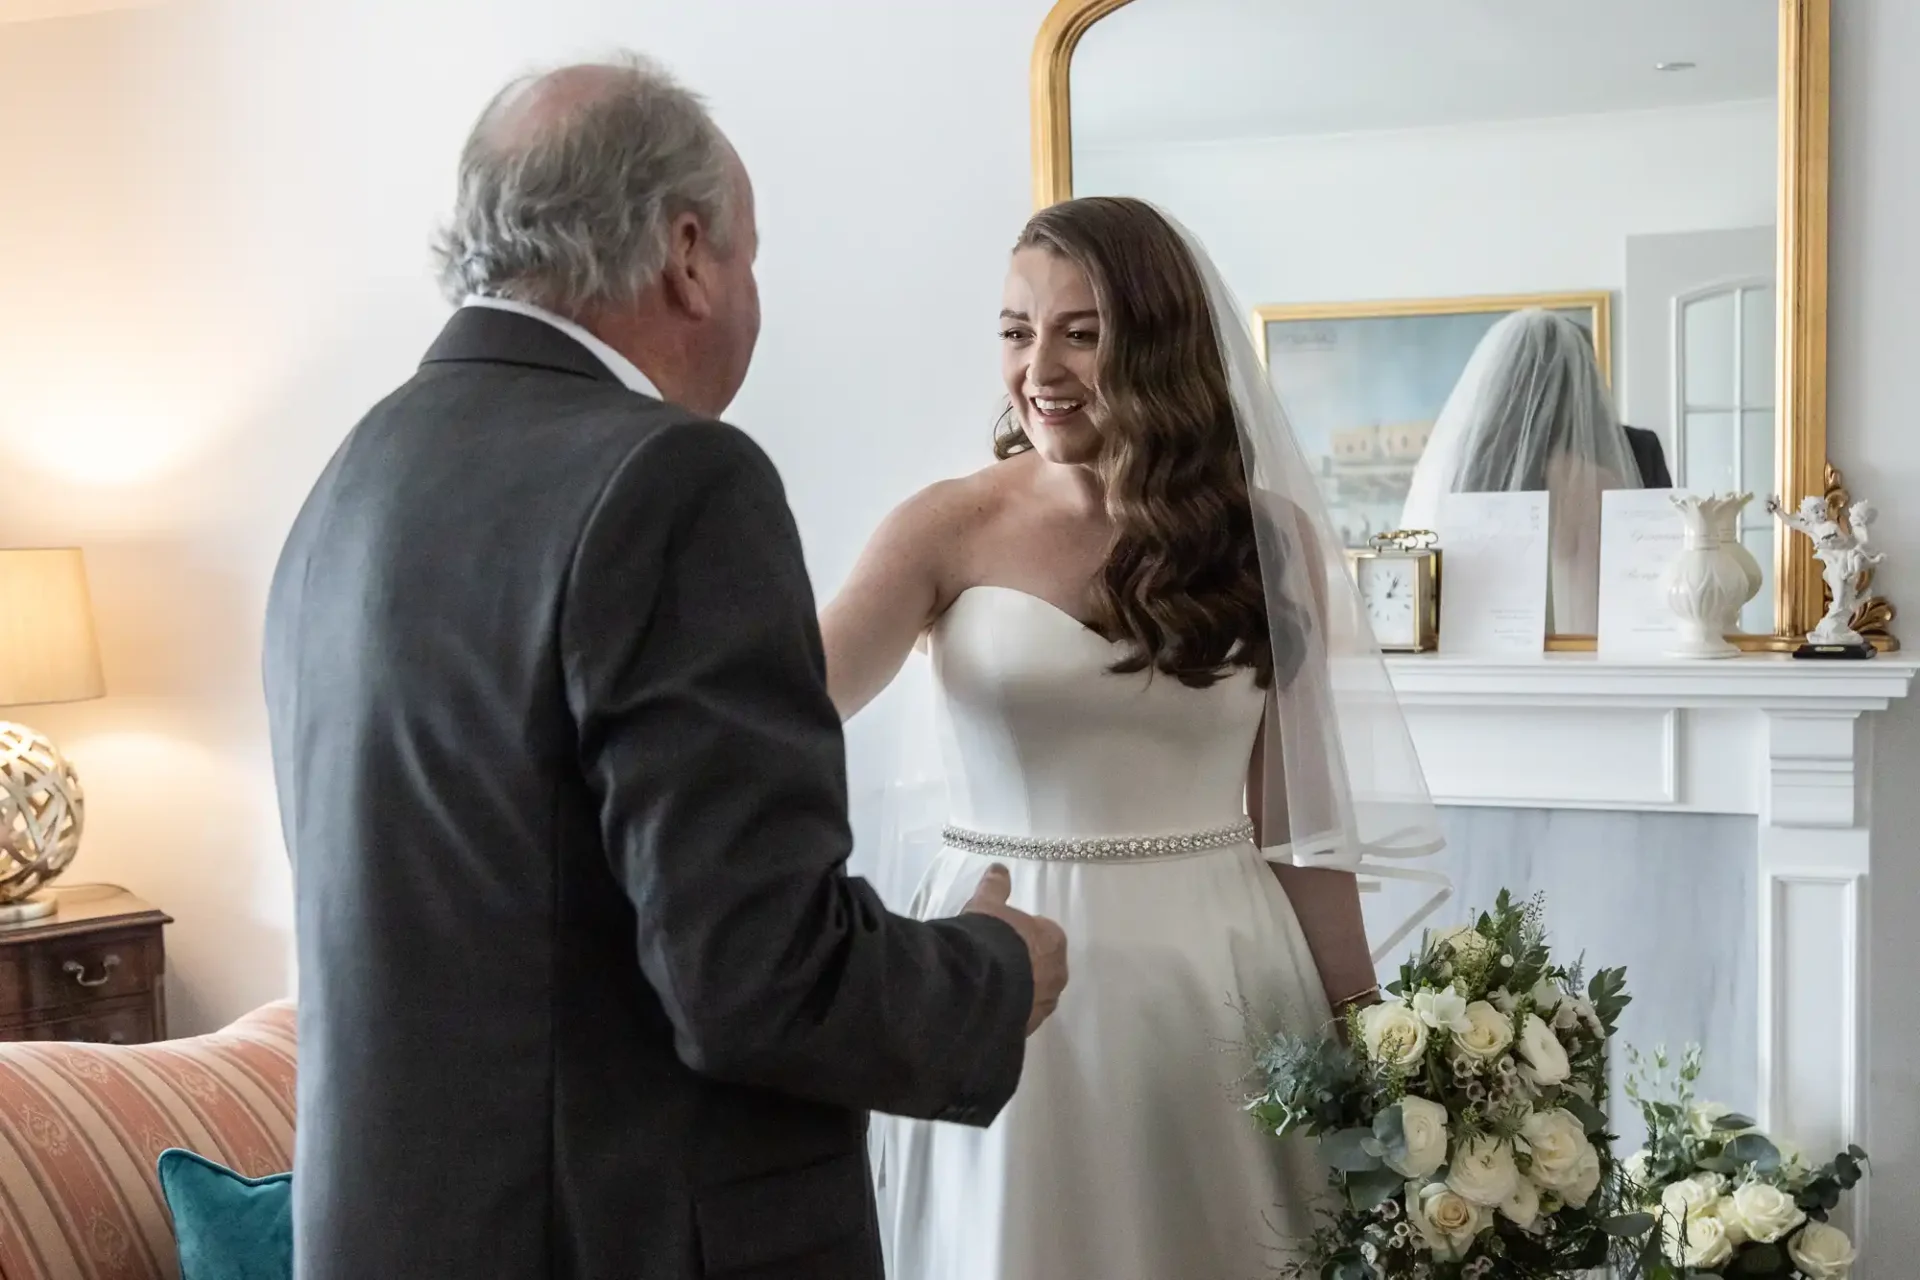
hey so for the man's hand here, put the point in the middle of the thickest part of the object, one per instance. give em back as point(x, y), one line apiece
point(1046, 941)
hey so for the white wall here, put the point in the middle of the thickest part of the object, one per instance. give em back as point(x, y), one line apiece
point(214, 227)
point(1874, 434)
point(213, 224)
point(1527, 206)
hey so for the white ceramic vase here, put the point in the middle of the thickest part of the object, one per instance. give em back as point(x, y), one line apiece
point(1713, 578)
point(1727, 529)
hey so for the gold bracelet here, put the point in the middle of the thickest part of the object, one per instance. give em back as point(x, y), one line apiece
point(1373, 990)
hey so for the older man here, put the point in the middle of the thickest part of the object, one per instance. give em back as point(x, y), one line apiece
point(585, 989)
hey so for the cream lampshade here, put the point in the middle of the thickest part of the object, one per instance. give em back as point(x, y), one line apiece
point(48, 653)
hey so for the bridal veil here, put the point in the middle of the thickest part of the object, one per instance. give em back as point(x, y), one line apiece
point(1532, 412)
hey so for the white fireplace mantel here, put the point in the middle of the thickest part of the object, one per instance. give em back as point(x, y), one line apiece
point(1787, 741)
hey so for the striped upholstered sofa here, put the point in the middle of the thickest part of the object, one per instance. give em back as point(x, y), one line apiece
point(81, 1126)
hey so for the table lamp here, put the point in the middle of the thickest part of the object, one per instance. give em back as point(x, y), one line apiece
point(48, 653)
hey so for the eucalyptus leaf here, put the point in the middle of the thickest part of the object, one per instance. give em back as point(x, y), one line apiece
point(1390, 1133)
point(1627, 1226)
point(1717, 1164)
point(1591, 1118)
point(1346, 1150)
point(1753, 1149)
point(1734, 1121)
point(1372, 1188)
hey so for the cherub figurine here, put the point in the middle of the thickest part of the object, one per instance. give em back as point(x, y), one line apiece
point(1845, 549)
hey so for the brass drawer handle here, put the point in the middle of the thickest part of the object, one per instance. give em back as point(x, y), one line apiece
point(79, 971)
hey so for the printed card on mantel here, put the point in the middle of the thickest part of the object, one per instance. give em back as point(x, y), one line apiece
point(1641, 535)
point(1493, 587)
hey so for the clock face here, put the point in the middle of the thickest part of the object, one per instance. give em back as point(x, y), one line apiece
point(1387, 588)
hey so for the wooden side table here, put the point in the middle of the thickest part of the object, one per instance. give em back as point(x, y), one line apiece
point(94, 970)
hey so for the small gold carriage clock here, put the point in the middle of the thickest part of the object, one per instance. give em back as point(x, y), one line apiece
point(1399, 580)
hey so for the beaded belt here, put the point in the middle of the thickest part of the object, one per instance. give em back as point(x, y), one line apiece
point(1096, 848)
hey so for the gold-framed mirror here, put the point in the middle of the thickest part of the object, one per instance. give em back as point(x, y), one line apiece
point(1387, 180)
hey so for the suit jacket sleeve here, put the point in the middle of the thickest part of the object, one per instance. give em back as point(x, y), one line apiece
point(695, 671)
point(1649, 457)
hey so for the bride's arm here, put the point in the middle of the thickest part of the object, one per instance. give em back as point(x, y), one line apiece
point(1326, 902)
point(892, 596)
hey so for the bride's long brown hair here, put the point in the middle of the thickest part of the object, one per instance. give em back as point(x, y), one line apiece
point(1181, 584)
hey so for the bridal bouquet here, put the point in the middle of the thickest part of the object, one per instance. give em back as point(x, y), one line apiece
point(1463, 1117)
point(1727, 1199)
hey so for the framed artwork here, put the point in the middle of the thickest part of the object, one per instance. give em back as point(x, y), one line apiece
point(1363, 383)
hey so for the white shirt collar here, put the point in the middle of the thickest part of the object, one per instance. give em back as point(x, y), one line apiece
point(618, 365)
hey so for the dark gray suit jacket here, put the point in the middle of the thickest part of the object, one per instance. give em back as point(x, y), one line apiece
point(585, 990)
point(1649, 457)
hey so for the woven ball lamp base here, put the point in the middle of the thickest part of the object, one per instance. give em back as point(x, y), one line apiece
point(42, 810)
point(38, 907)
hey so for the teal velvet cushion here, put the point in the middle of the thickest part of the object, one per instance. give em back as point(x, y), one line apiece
point(228, 1227)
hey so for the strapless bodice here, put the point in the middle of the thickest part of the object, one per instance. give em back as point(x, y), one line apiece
point(1039, 737)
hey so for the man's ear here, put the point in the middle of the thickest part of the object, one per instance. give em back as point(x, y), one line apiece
point(688, 273)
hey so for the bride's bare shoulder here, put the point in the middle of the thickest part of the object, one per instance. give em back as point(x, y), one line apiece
point(953, 509)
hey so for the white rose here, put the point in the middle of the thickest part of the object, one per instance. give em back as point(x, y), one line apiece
point(1822, 1252)
point(1547, 995)
point(1483, 1171)
point(1574, 1011)
point(1586, 1180)
point(1765, 1211)
point(1558, 1144)
point(1543, 1057)
point(1693, 1197)
point(1635, 1167)
point(1729, 1216)
point(1424, 1124)
point(1442, 1010)
point(1466, 943)
point(1393, 1033)
point(1584, 1010)
point(1447, 1222)
point(1522, 1208)
point(1488, 1032)
point(1697, 1243)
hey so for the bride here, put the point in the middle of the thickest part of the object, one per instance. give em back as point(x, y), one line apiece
point(1160, 706)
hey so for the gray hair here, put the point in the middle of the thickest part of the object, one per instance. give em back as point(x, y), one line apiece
point(568, 205)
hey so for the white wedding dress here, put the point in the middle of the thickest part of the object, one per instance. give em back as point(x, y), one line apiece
point(1125, 1154)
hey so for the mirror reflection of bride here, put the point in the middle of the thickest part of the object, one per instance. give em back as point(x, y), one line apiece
point(1159, 704)
point(1532, 412)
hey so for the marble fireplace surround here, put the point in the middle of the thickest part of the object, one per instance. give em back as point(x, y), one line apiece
point(1788, 742)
